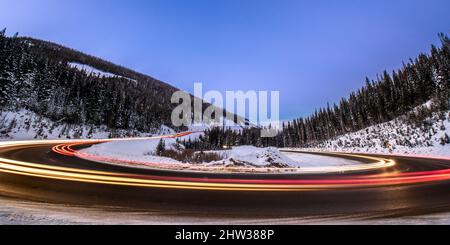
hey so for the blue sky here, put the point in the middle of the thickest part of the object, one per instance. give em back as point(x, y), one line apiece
point(313, 52)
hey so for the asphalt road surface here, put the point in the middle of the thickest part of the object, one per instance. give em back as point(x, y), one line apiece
point(367, 194)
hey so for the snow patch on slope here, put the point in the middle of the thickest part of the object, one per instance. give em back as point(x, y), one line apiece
point(93, 71)
point(224, 123)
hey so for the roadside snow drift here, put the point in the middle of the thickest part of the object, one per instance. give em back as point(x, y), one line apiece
point(250, 156)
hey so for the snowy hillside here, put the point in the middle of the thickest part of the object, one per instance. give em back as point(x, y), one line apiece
point(26, 125)
point(398, 136)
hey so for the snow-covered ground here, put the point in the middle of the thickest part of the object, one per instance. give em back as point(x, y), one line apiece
point(142, 154)
point(135, 151)
point(223, 122)
point(309, 160)
point(26, 125)
point(395, 137)
point(250, 156)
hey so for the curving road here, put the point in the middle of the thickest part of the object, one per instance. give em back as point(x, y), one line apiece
point(33, 171)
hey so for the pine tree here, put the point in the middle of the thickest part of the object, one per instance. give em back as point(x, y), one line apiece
point(161, 147)
point(445, 139)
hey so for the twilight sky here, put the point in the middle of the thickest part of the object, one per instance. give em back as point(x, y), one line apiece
point(313, 52)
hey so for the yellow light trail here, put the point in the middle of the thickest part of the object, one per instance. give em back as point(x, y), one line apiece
point(102, 177)
point(234, 184)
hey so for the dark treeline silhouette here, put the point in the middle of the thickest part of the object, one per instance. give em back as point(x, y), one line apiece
point(390, 96)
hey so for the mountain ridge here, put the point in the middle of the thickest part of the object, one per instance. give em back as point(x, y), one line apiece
point(38, 79)
point(73, 55)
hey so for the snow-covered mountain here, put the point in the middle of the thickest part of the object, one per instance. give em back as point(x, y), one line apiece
point(65, 93)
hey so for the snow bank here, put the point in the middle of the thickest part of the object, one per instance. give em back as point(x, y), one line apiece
point(250, 156)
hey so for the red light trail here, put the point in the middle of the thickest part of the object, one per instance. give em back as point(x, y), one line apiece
point(234, 183)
